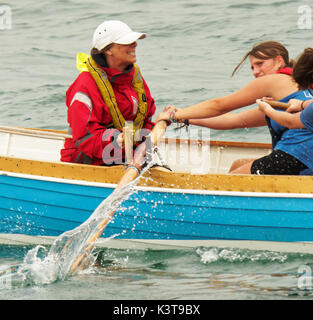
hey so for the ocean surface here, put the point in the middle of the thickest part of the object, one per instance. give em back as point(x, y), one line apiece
point(188, 56)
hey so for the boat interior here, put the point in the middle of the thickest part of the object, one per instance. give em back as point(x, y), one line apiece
point(180, 155)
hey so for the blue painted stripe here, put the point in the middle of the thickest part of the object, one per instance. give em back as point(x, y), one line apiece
point(38, 207)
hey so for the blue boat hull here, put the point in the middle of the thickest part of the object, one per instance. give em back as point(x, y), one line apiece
point(49, 208)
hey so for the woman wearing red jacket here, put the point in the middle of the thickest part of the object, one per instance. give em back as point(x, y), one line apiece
point(109, 92)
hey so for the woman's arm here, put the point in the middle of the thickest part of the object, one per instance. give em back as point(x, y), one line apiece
point(217, 106)
point(245, 119)
point(297, 105)
point(276, 86)
point(286, 119)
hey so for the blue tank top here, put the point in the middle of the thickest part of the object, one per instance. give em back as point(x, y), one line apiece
point(296, 142)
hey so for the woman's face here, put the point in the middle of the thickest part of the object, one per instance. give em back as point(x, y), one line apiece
point(261, 67)
point(122, 55)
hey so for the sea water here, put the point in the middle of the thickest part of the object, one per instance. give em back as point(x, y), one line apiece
point(188, 56)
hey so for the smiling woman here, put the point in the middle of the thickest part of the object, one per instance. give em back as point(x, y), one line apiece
point(109, 91)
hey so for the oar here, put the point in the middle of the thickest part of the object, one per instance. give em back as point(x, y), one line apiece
point(128, 143)
point(277, 104)
point(131, 174)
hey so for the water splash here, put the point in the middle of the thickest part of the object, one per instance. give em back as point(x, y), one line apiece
point(55, 263)
point(210, 255)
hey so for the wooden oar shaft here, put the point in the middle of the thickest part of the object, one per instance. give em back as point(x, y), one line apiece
point(277, 104)
point(158, 132)
point(128, 142)
point(130, 175)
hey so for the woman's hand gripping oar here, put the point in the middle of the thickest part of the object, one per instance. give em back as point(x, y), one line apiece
point(132, 172)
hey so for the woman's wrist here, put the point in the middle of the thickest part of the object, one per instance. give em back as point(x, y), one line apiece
point(173, 117)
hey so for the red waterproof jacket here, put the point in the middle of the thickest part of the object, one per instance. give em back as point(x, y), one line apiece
point(89, 117)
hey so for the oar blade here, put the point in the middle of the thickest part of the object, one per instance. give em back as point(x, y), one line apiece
point(130, 175)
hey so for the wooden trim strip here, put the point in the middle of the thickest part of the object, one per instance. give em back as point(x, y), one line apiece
point(161, 178)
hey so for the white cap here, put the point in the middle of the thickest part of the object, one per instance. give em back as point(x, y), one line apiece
point(114, 31)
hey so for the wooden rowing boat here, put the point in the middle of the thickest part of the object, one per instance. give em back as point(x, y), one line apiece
point(196, 204)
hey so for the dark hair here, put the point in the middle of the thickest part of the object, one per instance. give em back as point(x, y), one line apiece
point(267, 50)
point(99, 55)
point(303, 70)
point(102, 51)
